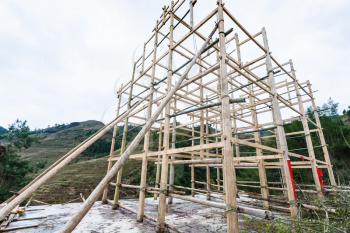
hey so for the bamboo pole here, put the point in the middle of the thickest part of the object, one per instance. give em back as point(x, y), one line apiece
point(172, 168)
point(228, 168)
point(286, 170)
point(241, 209)
point(261, 166)
point(322, 138)
point(193, 183)
point(218, 178)
point(123, 145)
point(164, 172)
point(114, 135)
point(308, 139)
point(234, 118)
point(160, 146)
point(143, 181)
point(207, 133)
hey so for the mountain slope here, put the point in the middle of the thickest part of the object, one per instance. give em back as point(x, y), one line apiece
point(56, 141)
point(2, 130)
point(83, 174)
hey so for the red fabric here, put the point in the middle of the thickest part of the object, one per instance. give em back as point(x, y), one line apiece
point(320, 177)
point(291, 177)
point(302, 158)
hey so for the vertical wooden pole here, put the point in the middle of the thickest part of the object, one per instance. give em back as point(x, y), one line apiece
point(218, 177)
point(309, 145)
point(143, 181)
point(201, 129)
point(234, 120)
point(193, 183)
point(123, 145)
point(235, 131)
point(173, 146)
point(160, 147)
point(164, 174)
point(114, 135)
point(288, 90)
point(191, 13)
point(207, 142)
point(229, 172)
point(281, 136)
point(261, 167)
point(322, 138)
point(238, 49)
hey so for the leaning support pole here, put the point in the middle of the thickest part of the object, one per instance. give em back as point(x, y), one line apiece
point(74, 221)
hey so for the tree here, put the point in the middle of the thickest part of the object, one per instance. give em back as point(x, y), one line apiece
point(347, 112)
point(19, 135)
point(14, 171)
point(329, 109)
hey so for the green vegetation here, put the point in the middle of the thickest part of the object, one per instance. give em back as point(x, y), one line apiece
point(337, 132)
point(14, 171)
point(2, 131)
point(309, 221)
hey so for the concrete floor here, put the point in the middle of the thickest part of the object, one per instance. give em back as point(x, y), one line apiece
point(185, 216)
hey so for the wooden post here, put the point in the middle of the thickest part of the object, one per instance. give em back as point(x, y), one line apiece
point(173, 146)
point(114, 135)
point(281, 136)
point(261, 166)
point(164, 172)
point(201, 130)
point(234, 120)
point(207, 142)
point(193, 182)
point(229, 173)
point(218, 177)
point(307, 134)
point(143, 182)
point(123, 144)
point(322, 139)
point(160, 148)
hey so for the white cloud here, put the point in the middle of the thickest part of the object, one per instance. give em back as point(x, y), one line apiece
point(60, 60)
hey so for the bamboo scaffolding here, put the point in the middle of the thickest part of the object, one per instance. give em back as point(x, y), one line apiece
point(230, 110)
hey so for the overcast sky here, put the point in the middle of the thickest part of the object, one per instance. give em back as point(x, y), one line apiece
point(60, 60)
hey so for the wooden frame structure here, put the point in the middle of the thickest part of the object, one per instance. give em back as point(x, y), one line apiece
point(227, 104)
point(231, 100)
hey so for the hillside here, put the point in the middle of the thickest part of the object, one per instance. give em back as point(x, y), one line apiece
point(2, 130)
point(56, 141)
point(84, 173)
point(82, 177)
